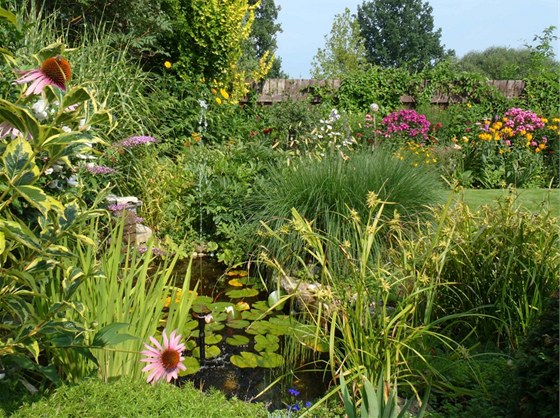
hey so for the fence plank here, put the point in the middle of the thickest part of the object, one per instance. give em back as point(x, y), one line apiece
point(275, 90)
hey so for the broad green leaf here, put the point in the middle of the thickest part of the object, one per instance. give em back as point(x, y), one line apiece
point(237, 323)
point(58, 251)
point(192, 365)
point(269, 360)
point(19, 162)
point(242, 293)
point(56, 48)
point(39, 199)
point(9, 16)
point(211, 338)
point(210, 351)
point(237, 340)
point(21, 119)
point(67, 218)
point(75, 95)
point(244, 360)
point(109, 335)
point(268, 343)
point(21, 234)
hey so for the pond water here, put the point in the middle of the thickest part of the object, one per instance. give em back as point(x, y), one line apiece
point(217, 370)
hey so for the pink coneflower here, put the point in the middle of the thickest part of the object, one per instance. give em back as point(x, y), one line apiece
point(166, 361)
point(54, 71)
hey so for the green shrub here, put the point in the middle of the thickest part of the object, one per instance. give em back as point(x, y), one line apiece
point(536, 366)
point(126, 398)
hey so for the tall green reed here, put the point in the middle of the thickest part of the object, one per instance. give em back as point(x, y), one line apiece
point(134, 290)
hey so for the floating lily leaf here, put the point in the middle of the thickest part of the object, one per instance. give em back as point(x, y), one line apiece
point(211, 338)
point(189, 326)
point(237, 273)
point(258, 327)
point(237, 340)
point(253, 315)
point(270, 360)
point(244, 360)
point(215, 326)
point(260, 306)
point(242, 293)
point(238, 323)
point(235, 283)
point(192, 364)
point(210, 351)
point(267, 343)
point(190, 345)
point(242, 306)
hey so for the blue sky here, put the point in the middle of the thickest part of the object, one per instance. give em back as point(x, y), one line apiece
point(467, 25)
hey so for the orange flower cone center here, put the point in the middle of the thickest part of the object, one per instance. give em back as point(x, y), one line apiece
point(170, 359)
point(57, 69)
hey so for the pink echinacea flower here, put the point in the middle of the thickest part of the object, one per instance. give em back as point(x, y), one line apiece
point(54, 71)
point(164, 362)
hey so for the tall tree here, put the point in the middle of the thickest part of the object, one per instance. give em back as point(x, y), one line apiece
point(400, 33)
point(344, 50)
point(263, 36)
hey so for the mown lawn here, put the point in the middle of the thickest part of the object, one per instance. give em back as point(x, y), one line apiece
point(530, 199)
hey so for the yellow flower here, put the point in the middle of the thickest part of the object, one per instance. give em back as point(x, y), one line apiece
point(529, 136)
point(224, 94)
point(542, 146)
point(469, 105)
point(465, 139)
point(214, 91)
point(196, 136)
point(218, 100)
point(167, 64)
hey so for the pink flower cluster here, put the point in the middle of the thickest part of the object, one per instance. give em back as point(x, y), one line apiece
point(522, 121)
point(408, 122)
point(135, 141)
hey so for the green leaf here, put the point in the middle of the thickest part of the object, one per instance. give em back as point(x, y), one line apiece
point(237, 340)
point(19, 162)
point(58, 251)
point(244, 360)
point(20, 119)
point(242, 293)
point(269, 360)
point(9, 16)
point(268, 343)
point(237, 323)
point(39, 199)
point(21, 234)
point(2, 242)
point(192, 365)
point(74, 96)
point(109, 335)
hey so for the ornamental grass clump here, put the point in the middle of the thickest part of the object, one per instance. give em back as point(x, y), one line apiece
point(324, 190)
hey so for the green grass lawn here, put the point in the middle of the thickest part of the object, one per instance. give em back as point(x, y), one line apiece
point(530, 199)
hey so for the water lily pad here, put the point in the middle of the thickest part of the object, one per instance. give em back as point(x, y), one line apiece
point(235, 283)
point(267, 343)
point(258, 327)
point(190, 345)
point(192, 364)
point(237, 273)
point(210, 351)
point(242, 306)
point(253, 315)
point(211, 338)
point(215, 326)
point(189, 326)
point(242, 293)
point(237, 340)
point(237, 323)
point(244, 360)
point(270, 360)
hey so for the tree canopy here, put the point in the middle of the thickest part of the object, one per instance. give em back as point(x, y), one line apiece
point(344, 50)
point(400, 33)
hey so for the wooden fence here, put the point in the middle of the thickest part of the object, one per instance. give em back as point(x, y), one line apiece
point(277, 90)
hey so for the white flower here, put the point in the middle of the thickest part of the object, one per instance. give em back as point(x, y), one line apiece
point(203, 104)
point(40, 109)
point(230, 310)
point(66, 129)
point(72, 181)
point(49, 171)
point(208, 318)
point(374, 107)
point(334, 115)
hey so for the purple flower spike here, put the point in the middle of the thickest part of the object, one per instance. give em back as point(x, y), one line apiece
point(135, 141)
point(99, 169)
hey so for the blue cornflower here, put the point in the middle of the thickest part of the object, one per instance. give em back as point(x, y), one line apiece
point(293, 392)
